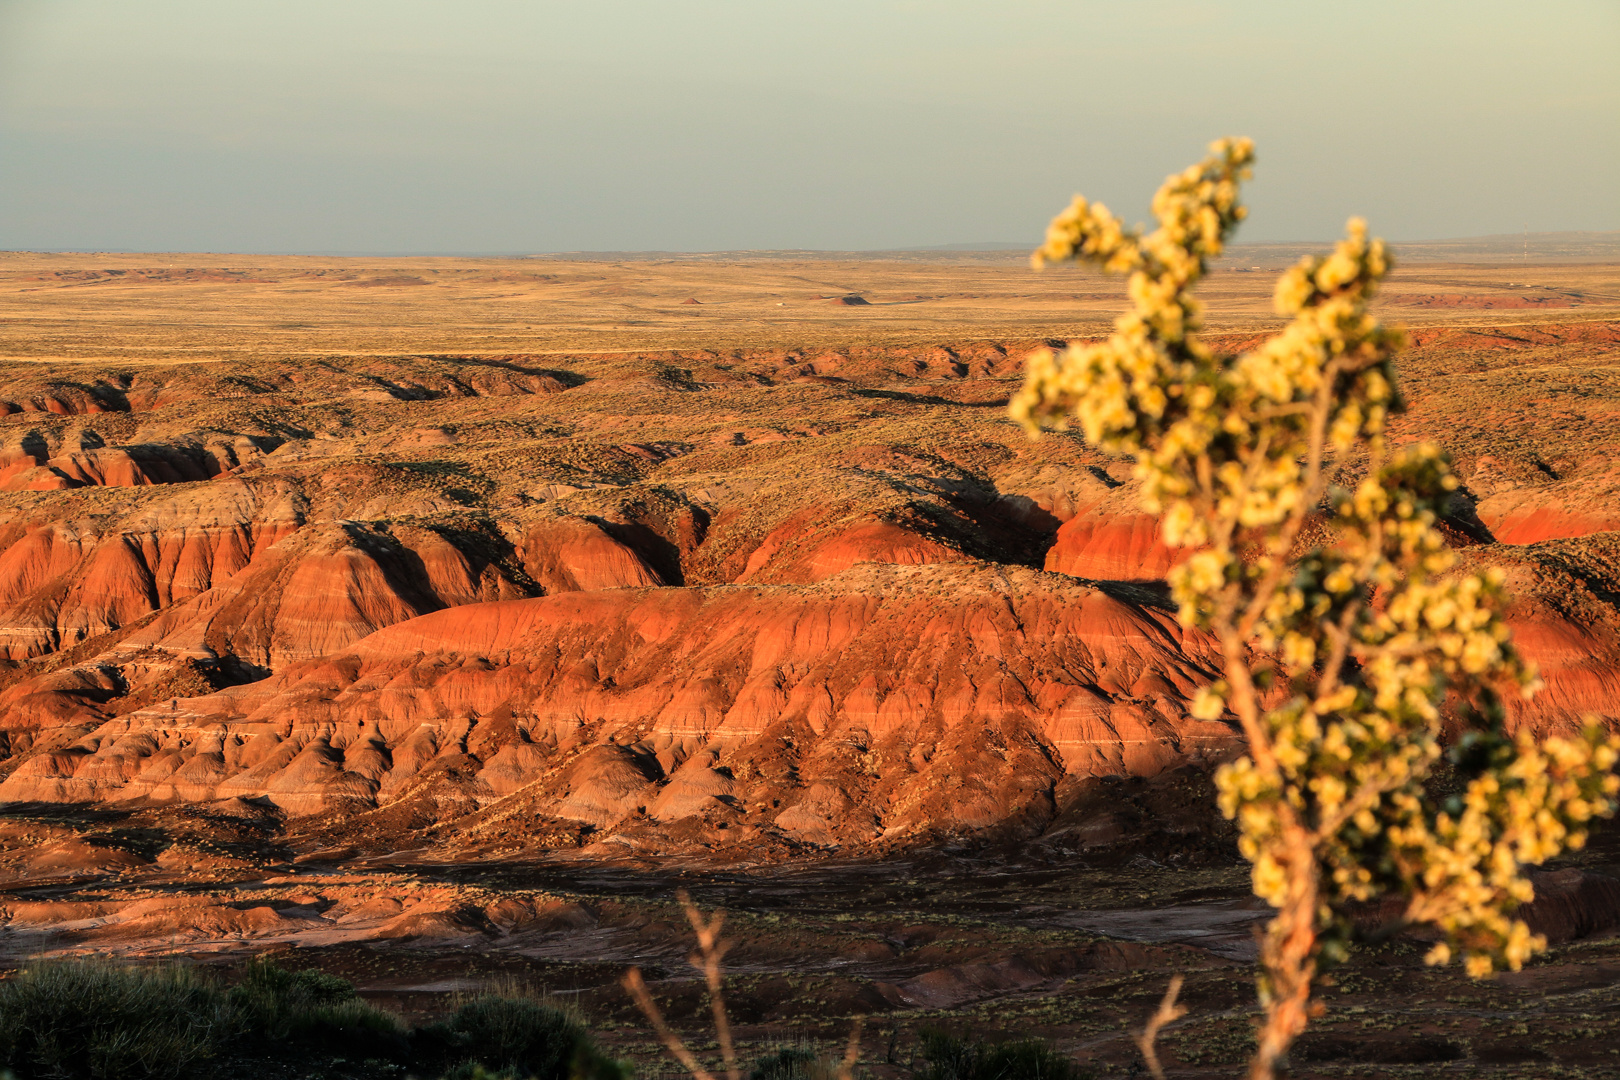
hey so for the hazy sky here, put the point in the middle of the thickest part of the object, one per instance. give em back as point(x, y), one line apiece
point(554, 125)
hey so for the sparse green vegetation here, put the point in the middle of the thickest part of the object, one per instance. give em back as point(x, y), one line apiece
point(520, 1038)
point(794, 1063)
point(100, 1021)
point(943, 1056)
point(96, 1020)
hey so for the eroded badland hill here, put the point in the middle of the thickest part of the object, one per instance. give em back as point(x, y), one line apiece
point(436, 617)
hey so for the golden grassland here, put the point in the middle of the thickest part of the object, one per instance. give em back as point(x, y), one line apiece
point(167, 308)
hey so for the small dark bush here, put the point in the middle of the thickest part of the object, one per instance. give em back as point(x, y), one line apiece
point(519, 1038)
point(314, 1011)
point(265, 975)
point(93, 1020)
point(788, 1063)
point(104, 1022)
point(794, 1063)
point(471, 1070)
point(949, 1057)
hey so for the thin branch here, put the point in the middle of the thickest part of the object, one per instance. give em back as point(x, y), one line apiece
point(1288, 956)
point(1168, 1013)
point(1340, 634)
point(1368, 794)
point(710, 951)
point(1206, 476)
point(1311, 494)
point(1275, 412)
point(707, 958)
point(852, 1050)
point(1241, 696)
point(633, 982)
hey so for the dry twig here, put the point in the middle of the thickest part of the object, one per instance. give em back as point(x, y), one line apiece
point(852, 1051)
point(637, 987)
point(707, 958)
point(710, 951)
point(1168, 1013)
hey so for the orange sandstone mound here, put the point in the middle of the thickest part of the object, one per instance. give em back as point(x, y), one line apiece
point(885, 701)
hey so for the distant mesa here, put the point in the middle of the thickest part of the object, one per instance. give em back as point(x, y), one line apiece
point(850, 300)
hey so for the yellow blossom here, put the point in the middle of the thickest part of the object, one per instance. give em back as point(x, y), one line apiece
point(1381, 637)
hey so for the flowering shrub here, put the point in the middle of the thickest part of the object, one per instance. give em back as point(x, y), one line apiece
point(1341, 662)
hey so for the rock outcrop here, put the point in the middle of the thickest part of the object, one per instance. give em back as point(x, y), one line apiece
point(885, 701)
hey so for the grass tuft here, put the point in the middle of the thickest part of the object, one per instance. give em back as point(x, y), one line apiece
point(951, 1057)
point(95, 1020)
point(520, 1038)
point(796, 1063)
point(313, 1010)
point(101, 1021)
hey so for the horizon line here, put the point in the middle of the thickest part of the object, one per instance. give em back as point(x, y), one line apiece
point(983, 247)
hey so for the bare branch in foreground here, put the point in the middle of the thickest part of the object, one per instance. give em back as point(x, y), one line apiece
point(1168, 1013)
point(852, 1051)
point(637, 987)
point(710, 951)
point(707, 958)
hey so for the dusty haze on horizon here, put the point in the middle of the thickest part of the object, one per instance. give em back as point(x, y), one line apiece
point(499, 126)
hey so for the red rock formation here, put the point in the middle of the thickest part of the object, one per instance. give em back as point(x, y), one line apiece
point(128, 467)
point(871, 652)
point(805, 549)
point(1104, 546)
point(234, 572)
point(64, 581)
point(883, 701)
point(570, 554)
point(320, 590)
point(1533, 515)
point(1579, 667)
point(1572, 904)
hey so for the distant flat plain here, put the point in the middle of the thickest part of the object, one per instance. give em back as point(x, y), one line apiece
point(163, 308)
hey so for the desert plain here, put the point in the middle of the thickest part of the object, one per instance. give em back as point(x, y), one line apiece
point(431, 621)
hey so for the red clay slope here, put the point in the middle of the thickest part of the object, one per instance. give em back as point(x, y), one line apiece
point(886, 700)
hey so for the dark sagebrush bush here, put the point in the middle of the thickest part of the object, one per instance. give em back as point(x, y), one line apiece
point(314, 1011)
point(795, 1063)
point(944, 1056)
point(520, 1038)
point(471, 1070)
point(95, 1020)
point(101, 1021)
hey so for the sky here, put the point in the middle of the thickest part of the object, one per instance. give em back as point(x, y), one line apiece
point(495, 126)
